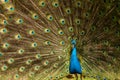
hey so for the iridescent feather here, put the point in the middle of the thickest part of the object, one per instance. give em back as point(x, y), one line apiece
point(35, 38)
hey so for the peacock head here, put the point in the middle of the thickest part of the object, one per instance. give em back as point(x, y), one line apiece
point(73, 42)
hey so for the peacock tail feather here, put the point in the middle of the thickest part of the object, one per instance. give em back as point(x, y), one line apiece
point(35, 38)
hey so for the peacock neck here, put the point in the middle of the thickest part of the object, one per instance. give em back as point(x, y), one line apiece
point(74, 52)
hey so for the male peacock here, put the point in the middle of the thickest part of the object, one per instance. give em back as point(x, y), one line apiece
point(50, 39)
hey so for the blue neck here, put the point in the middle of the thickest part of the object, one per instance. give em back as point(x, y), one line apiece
point(74, 51)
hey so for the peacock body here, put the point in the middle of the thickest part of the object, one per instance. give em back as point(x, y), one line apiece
point(36, 39)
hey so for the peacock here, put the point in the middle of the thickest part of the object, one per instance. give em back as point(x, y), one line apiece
point(58, 39)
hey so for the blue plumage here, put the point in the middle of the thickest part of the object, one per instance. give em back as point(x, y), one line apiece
point(75, 66)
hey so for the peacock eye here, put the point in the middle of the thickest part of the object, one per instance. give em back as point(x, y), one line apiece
point(3, 30)
point(31, 74)
point(87, 14)
point(69, 38)
point(29, 61)
point(55, 65)
point(21, 51)
point(16, 76)
point(117, 33)
point(42, 3)
point(5, 22)
point(35, 16)
point(4, 68)
point(78, 3)
point(114, 18)
point(67, 71)
point(46, 71)
point(6, 0)
point(60, 57)
point(117, 47)
point(82, 33)
point(47, 30)
point(62, 43)
point(77, 21)
point(36, 68)
point(101, 13)
point(1, 54)
point(60, 32)
point(38, 56)
point(118, 7)
point(106, 29)
point(56, 77)
point(105, 42)
point(68, 10)
point(55, 4)
point(67, 63)
point(34, 44)
point(10, 61)
point(93, 28)
point(6, 45)
point(18, 36)
point(47, 42)
point(62, 21)
point(61, 75)
point(32, 32)
point(11, 8)
point(21, 69)
point(50, 17)
point(19, 21)
point(46, 62)
point(71, 29)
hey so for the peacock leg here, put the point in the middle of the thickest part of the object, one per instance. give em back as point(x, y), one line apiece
point(80, 76)
point(76, 76)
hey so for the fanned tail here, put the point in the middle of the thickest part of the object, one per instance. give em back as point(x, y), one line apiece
point(35, 38)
